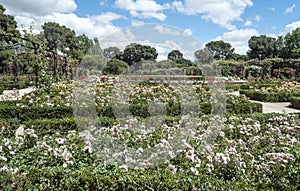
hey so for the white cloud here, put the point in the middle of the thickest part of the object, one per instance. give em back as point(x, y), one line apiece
point(61, 11)
point(292, 26)
point(120, 39)
point(289, 9)
point(239, 39)
point(137, 23)
point(39, 7)
point(166, 30)
point(143, 8)
point(248, 23)
point(220, 12)
point(188, 32)
point(257, 18)
point(271, 8)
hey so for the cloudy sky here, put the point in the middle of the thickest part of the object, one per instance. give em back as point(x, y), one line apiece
point(233, 21)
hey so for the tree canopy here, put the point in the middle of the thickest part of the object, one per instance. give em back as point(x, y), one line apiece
point(220, 49)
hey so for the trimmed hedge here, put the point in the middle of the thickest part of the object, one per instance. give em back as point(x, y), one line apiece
point(105, 178)
point(1, 89)
point(295, 102)
point(33, 112)
point(10, 110)
point(15, 85)
point(269, 96)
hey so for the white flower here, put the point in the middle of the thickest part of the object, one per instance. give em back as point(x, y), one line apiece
point(20, 131)
point(194, 170)
point(60, 141)
point(65, 165)
point(4, 158)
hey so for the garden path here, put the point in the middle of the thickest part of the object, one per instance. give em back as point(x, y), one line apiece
point(276, 107)
point(15, 94)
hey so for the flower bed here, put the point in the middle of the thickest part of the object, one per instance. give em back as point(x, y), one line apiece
point(254, 152)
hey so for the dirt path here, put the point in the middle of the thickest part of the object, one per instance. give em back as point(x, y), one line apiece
point(15, 94)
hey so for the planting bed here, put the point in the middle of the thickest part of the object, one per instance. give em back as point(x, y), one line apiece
point(44, 146)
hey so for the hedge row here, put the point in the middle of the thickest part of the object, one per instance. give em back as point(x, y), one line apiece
point(1, 89)
point(10, 110)
point(33, 112)
point(295, 102)
point(15, 85)
point(104, 178)
point(269, 96)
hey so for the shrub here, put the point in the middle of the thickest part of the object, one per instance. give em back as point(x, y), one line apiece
point(295, 102)
point(1, 89)
point(26, 113)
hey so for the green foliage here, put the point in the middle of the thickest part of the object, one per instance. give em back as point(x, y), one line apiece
point(115, 67)
point(203, 56)
point(34, 112)
point(1, 89)
point(134, 53)
point(291, 44)
point(220, 49)
point(295, 102)
point(262, 47)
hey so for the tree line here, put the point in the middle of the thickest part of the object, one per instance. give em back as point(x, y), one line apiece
point(57, 50)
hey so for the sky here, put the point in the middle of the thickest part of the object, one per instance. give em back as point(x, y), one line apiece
point(184, 21)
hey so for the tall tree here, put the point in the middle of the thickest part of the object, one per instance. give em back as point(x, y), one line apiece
point(135, 53)
point(292, 44)
point(203, 56)
point(8, 38)
point(262, 47)
point(111, 52)
point(220, 49)
point(177, 57)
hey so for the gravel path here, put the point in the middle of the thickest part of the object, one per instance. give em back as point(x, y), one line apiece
point(15, 94)
point(278, 107)
point(274, 107)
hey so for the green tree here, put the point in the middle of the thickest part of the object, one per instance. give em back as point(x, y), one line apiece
point(8, 39)
point(115, 67)
point(262, 47)
point(292, 44)
point(177, 57)
point(220, 49)
point(111, 52)
point(203, 56)
point(135, 53)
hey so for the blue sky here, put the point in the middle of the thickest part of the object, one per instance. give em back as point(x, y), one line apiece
point(233, 21)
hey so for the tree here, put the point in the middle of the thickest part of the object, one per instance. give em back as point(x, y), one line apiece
point(292, 44)
point(135, 53)
point(8, 38)
point(115, 67)
point(177, 57)
point(111, 52)
point(220, 49)
point(262, 47)
point(60, 39)
point(203, 56)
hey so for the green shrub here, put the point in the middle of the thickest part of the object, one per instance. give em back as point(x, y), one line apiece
point(26, 113)
point(269, 96)
point(1, 89)
point(295, 102)
point(15, 85)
